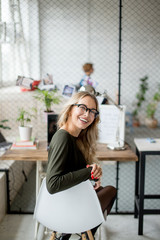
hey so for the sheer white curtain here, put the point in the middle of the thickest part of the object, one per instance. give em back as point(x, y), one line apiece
point(17, 43)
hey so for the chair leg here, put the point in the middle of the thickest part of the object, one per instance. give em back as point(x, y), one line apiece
point(90, 236)
point(99, 234)
point(53, 236)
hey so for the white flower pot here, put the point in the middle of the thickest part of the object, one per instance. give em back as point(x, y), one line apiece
point(25, 133)
point(46, 115)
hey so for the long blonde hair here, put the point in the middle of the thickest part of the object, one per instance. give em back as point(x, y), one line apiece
point(87, 138)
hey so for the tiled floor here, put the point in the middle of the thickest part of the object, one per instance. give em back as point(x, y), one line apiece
point(117, 227)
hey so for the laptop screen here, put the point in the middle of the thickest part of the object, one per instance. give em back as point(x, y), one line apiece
point(3, 143)
point(2, 139)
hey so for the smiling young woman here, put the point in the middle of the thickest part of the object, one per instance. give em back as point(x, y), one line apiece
point(71, 158)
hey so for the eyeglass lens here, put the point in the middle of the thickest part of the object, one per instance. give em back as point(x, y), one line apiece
point(84, 108)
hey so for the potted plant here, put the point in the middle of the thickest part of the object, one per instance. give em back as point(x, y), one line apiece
point(48, 98)
point(151, 121)
point(143, 87)
point(24, 117)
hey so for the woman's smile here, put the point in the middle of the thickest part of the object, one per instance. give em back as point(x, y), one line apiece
point(83, 120)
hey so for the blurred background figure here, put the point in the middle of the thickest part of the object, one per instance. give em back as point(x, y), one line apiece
point(86, 79)
point(89, 85)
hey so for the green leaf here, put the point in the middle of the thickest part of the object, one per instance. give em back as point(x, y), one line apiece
point(47, 97)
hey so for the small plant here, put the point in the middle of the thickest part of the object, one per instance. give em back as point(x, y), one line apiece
point(25, 116)
point(2, 124)
point(152, 107)
point(150, 120)
point(156, 96)
point(140, 96)
point(48, 98)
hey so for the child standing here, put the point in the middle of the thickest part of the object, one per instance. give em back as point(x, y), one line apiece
point(86, 80)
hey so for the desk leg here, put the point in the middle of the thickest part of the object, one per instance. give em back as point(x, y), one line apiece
point(38, 176)
point(38, 184)
point(141, 194)
point(117, 183)
point(136, 185)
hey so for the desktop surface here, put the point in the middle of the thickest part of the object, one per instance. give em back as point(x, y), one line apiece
point(41, 154)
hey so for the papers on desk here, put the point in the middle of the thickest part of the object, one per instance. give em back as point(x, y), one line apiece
point(31, 144)
point(25, 143)
point(14, 146)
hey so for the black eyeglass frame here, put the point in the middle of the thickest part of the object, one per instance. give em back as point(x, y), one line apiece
point(87, 109)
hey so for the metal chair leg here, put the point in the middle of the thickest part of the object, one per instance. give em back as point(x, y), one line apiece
point(99, 233)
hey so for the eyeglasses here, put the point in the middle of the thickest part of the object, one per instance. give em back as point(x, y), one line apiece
point(83, 108)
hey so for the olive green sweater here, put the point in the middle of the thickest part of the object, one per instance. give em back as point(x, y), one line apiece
point(66, 164)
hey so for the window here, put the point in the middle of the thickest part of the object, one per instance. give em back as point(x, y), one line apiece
point(15, 40)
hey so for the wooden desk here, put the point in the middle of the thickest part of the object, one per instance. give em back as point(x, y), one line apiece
point(105, 154)
point(41, 154)
point(38, 155)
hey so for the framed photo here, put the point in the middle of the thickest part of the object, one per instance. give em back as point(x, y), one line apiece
point(68, 90)
point(24, 82)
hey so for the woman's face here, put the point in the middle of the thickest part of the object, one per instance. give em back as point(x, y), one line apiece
point(79, 118)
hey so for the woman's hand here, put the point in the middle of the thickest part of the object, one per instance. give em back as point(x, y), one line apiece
point(96, 171)
point(97, 184)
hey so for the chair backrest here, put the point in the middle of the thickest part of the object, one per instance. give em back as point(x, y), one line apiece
point(74, 210)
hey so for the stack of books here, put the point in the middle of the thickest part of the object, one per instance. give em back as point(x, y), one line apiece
point(31, 144)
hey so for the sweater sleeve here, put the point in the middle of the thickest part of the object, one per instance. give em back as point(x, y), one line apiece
point(59, 177)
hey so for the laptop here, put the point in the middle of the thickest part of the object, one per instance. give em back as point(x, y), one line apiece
point(3, 143)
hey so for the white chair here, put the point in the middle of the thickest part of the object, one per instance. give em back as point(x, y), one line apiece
point(74, 210)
